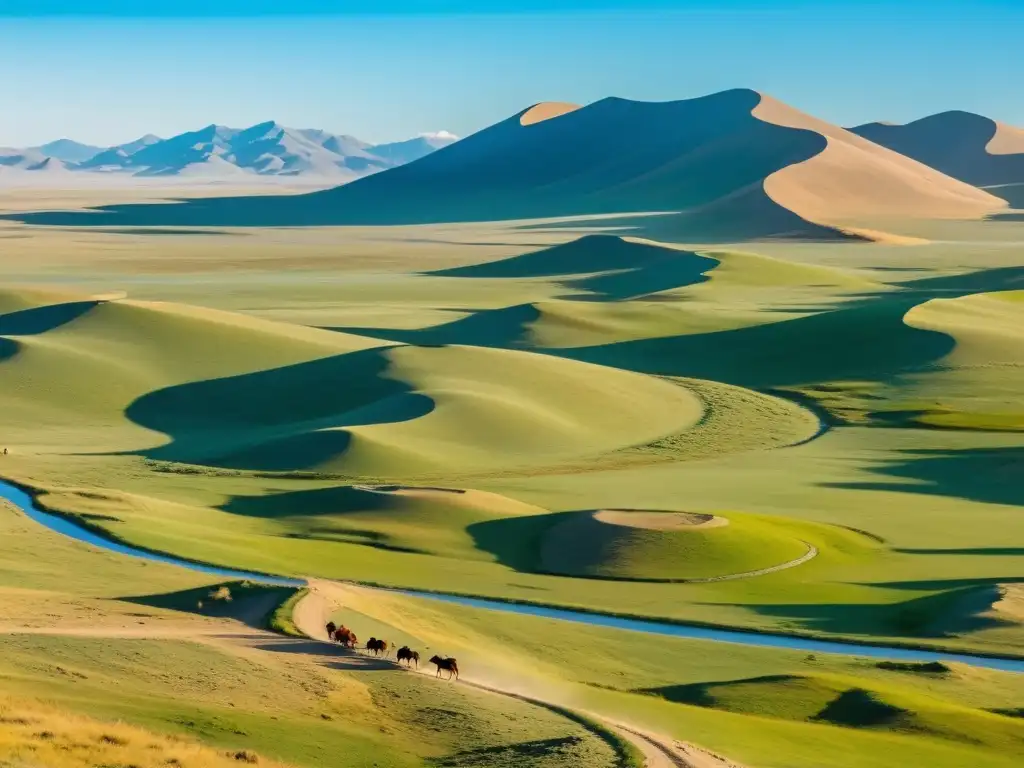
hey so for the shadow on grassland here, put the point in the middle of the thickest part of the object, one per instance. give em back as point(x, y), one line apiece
point(608, 267)
point(988, 475)
point(796, 697)
point(948, 613)
point(869, 341)
point(243, 601)
point(310, 502)
point(505, 328)
point(866, 339)
point(282, 419)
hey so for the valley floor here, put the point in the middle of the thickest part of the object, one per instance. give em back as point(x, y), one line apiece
point(547, 412)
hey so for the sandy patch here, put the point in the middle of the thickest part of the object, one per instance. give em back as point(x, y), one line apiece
point(659, 521)
point(853, 178)
point(546, 111)
point(1008, 140)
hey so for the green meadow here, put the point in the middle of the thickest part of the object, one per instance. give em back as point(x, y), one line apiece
point(819, 439)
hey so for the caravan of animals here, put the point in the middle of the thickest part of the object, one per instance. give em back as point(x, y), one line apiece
point(405, 654)
point(702, 450)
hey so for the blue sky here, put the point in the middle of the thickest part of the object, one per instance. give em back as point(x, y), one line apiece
point(107, 71)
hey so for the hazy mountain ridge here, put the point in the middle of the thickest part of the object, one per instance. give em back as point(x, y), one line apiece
point(266, 149)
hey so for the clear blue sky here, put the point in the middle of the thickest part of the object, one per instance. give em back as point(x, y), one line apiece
point(107, 71)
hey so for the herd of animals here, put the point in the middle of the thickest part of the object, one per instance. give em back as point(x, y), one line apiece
point(404, 655)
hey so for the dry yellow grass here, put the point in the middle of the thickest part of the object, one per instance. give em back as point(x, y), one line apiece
point(34, 735)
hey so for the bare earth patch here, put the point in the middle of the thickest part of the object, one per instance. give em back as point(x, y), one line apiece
point(659, 521)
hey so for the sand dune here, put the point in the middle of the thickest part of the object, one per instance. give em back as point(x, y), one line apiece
point(736, 162)
point(852, 178)
point(969, 147)
point(730, 166)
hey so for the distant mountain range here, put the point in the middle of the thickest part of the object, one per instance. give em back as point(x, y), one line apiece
point(216, 151)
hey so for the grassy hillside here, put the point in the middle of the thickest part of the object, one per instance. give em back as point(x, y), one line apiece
point(792, 709)
point(548, 412)
point(633, 544)
point(242, 441)
point(110, 660)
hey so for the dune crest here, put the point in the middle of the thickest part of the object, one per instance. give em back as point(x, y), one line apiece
point(1007, 140)
point(546, 110)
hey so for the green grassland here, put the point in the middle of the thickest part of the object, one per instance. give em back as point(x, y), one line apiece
point(455, 408)
point(763, 707)
point(84, 633)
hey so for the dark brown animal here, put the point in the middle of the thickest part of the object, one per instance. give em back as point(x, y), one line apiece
point(378, 647)
point(449, 665)
point(409, 656)
point(331, 628)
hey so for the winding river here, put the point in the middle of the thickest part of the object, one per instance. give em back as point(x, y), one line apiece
point(66, 527)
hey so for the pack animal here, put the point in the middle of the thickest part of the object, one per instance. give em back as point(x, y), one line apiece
point(449, 665)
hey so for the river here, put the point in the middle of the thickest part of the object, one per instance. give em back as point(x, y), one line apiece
point(68, 528)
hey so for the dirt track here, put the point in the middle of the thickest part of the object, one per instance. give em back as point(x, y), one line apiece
point(311, 615)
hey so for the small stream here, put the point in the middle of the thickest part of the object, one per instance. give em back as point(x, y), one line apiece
point(66, 527)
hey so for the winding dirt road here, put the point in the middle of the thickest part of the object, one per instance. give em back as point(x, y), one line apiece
point(311, 615)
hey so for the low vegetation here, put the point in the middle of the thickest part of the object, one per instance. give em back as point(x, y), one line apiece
point(532, 414)
point(32, 733)
point(280, 619)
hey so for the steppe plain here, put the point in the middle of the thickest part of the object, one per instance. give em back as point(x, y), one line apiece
point(815, 435)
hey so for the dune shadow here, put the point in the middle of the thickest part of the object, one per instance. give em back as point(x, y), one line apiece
point(864, 339)
point(978, 281)
point(281, 419)
point(1012, 193)
point(609, 268)
point(39, 320)
point(988, 475)
point(685, 269)
point(867, 341)
point(506, 328)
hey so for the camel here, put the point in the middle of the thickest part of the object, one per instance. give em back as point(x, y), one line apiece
point(409, 656)
point(449, 665)
point(346, 637)
point(377, 646)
